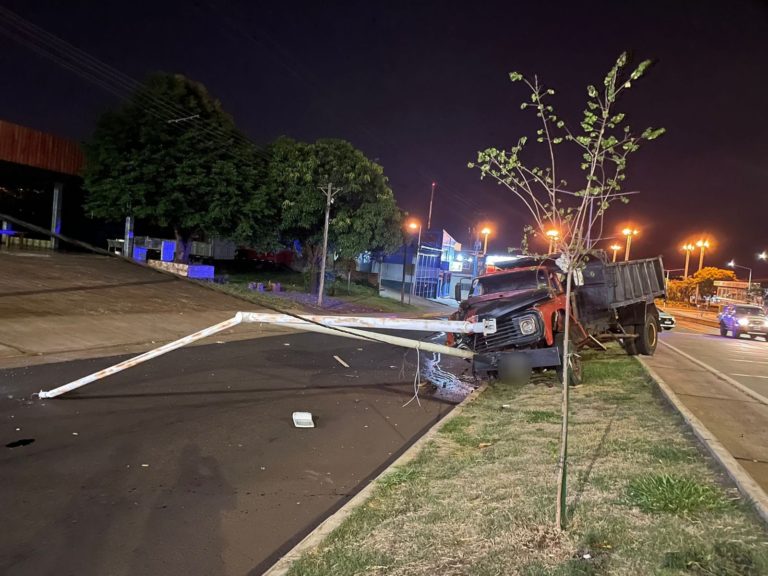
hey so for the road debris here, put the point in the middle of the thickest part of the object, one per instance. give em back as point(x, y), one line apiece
point(340, 361)
point(303, 420)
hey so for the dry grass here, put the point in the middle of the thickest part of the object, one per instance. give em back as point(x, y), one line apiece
point(479, 499)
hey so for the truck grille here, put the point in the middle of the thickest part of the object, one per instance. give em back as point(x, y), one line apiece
point(507, 334)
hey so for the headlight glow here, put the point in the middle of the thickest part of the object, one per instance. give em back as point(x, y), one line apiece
point(527, 325)
point(743, 321)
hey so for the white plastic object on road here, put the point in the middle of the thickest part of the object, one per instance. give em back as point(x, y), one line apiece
point(303, 420)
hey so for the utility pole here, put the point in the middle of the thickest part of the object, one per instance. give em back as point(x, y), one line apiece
point(431, 199)
point(330, 192)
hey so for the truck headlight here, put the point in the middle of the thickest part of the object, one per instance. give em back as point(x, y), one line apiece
point(527, 325)
point(743, 321)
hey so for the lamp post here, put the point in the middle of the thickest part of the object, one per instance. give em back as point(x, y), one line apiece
point(485, 232)
point(413, 225)
point(732, 264)
point(615, 248)
point(554, 236)
point(702, 244)
point(688, 249)
point(628, 232)
point(763, 255)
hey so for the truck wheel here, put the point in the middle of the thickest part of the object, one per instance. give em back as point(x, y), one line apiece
point(648, 336)
point(723, 330)
point(575, 375)
point(630, 344)
point(735, 333)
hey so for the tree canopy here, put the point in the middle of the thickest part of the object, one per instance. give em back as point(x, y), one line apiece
point(364, 215)
point(173, 158)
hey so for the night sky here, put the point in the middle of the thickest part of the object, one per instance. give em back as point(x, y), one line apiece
point(421, 86)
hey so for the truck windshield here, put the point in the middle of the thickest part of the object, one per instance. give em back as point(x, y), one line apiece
point(508, 282)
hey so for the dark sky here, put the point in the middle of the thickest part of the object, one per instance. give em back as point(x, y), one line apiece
point(421, 86)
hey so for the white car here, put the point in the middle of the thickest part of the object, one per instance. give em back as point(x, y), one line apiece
point(666, 320)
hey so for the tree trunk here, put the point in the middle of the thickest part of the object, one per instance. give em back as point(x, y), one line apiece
point(562, 477)
point(182, 246)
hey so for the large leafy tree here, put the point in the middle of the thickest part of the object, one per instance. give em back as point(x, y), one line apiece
point(171, 157)
point(364, 215)
point(705, 279)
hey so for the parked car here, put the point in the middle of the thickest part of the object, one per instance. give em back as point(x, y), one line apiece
point(666, 320)
point(741, 319)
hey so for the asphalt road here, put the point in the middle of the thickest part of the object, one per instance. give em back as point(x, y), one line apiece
point(190, 464)
point(738, 420)
point(743, 359)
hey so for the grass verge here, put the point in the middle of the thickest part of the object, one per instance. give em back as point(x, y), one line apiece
point(295, 295)
point(479, 499)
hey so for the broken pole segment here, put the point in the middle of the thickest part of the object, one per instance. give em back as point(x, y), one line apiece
point(234, 321)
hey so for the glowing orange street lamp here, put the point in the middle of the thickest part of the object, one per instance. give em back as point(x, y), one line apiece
point(554, 236)
point(628, 232)
point(615, 248)
point(702, 244)
point(485, 232)
point(688, 249)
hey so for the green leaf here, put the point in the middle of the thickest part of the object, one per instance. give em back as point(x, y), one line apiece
point(515, 76)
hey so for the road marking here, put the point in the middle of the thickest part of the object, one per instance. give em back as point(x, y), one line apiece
point(750, 361)
point(748, 391)
point(750, 376)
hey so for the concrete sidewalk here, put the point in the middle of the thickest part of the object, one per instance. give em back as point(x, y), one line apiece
point(57, 306)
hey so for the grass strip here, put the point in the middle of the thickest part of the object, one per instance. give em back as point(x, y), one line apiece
point(480, 498)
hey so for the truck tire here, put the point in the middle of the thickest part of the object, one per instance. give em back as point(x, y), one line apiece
point(575, 375)
point(723, 330)
point(647, 335)
point(630, 344)
point(736, 333)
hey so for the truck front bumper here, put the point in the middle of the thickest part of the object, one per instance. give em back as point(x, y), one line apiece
point(528, 358)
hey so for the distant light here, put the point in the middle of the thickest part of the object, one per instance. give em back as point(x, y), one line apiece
point(763, 255)
point(485, 231)
point(499, 259)
point(732, 263)
point(459, 258)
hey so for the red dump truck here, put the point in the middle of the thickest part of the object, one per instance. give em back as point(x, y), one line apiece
point(526, 297)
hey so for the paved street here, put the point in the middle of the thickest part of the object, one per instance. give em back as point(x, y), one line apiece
point(190, 464)
point(739, 421)
point(743, 359)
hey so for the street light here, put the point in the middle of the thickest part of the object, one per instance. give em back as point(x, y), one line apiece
point(688, 249)
point(413, 225)
point(702, 244)
point(554, 236)
point(628, 232)
point(733, 264)
point(615, 248)
point(763, 255)
point(485, 232)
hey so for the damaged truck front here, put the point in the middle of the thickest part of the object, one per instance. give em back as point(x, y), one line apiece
point(526, 297)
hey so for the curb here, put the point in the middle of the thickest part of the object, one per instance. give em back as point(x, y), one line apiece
point(314, 538)
point(750, 489)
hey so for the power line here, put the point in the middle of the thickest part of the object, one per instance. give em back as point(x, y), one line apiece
point(110, 79)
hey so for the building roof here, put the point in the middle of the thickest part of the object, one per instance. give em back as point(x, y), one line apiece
point(28, 147)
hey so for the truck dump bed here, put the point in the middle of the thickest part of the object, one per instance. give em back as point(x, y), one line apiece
point(609, 286)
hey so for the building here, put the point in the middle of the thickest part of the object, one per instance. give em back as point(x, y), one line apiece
point(39, 183)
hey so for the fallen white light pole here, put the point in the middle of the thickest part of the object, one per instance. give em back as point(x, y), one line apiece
point(310, 323)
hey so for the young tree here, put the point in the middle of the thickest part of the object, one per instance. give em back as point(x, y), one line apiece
point(364, 215)
point(601, 146)
point(172, 157)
